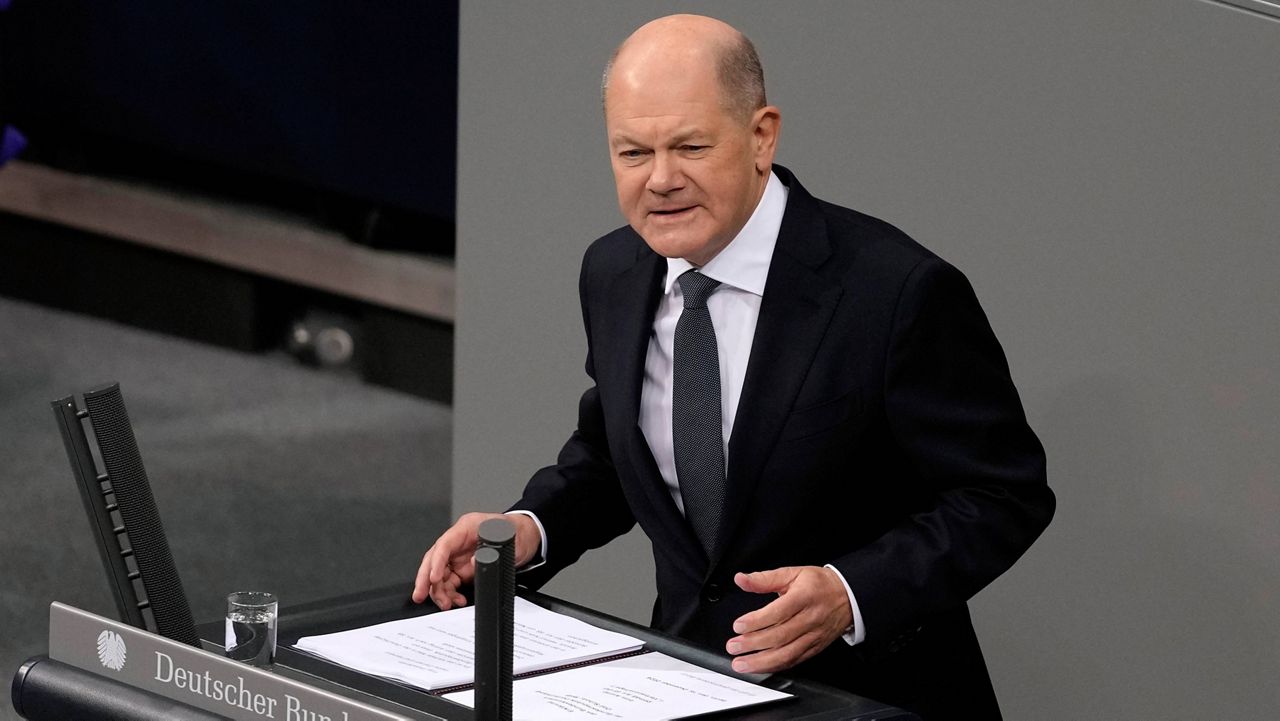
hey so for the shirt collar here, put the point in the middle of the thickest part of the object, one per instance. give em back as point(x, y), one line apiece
point(744, 262)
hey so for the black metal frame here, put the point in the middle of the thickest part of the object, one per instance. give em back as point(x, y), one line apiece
point(122, 511)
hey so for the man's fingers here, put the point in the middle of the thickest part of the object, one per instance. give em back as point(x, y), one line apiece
point(446, 595)
point(801, 621)
point(767, 637)
point(782, 657)
point(773, 613)
point(450, 552)
point(437, 565)
point(455, 573)
point(455, 582)
point(772, 581)
point(425, 585)
point(422, 581)
point(457, 542)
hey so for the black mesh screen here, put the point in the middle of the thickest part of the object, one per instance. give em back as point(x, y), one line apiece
point(141, 518)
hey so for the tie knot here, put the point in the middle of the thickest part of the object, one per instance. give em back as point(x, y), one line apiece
point(696, 287)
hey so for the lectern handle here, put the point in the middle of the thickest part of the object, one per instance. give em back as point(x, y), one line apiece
point(48, 690)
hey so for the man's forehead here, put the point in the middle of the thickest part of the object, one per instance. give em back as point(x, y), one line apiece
point(650, 94)
point(658, 81)
point(659, 67)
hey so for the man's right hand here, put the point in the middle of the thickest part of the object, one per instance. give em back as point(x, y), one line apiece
point(449, 564)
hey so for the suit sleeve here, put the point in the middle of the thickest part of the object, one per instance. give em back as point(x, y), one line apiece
point(954, 412)
point(579, 500)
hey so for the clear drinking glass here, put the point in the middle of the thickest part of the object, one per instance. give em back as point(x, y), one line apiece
point(251, 627)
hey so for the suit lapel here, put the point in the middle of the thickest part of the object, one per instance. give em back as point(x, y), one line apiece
point(632, 301)
point(794, 315)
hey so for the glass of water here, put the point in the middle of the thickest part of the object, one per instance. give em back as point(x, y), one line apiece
point(251, 627)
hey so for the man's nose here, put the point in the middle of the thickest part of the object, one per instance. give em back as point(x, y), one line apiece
point(664, 175)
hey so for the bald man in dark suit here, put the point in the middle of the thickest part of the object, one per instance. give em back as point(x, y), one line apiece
point(872, 467)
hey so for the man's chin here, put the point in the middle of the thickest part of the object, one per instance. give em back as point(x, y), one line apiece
point(672, 247)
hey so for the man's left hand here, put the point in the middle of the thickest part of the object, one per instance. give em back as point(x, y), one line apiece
point(811, 611)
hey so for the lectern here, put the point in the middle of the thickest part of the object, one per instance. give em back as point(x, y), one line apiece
point(164, 667)
point(72, 683)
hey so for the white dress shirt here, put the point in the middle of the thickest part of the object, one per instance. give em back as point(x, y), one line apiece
point(742, 268)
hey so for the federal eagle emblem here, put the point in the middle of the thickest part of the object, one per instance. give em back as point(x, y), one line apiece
point(111, 650)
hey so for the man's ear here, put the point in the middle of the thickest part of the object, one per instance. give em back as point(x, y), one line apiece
point(766, 126)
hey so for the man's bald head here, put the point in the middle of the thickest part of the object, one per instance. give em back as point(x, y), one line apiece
point(700, 42)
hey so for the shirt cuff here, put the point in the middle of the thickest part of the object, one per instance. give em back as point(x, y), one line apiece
point(540, 557)
point(859, 632)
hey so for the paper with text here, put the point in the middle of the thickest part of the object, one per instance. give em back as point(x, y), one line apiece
point(647, 687)
point(438, 650)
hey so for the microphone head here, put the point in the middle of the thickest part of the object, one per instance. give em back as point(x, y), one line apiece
point(497, 532)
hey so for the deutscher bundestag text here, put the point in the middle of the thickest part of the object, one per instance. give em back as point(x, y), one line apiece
point(234, 693)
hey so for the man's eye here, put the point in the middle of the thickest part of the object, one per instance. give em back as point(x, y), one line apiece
point(631, 154)
point(693, 148)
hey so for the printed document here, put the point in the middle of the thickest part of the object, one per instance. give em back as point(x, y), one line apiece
point(647, 687)
point(438, 650)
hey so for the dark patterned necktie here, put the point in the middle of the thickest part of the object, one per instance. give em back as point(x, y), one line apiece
point(696, 429)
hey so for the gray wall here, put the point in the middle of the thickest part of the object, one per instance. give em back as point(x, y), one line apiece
point(1106, 173)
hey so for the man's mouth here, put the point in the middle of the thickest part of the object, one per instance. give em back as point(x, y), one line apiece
point(669, 212)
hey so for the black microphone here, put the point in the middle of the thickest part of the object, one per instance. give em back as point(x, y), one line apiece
point(495, 588)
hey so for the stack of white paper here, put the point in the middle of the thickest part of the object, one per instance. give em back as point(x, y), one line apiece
point(648, 687)
point(438, 650)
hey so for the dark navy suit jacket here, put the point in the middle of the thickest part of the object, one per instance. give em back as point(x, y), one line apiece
point(878, 430)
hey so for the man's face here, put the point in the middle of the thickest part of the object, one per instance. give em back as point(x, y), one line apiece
point(689, 174)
